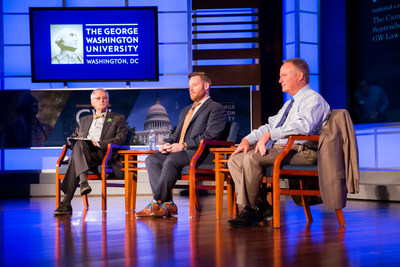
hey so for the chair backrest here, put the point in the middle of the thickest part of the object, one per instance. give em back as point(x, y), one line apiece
point(128, 138)
point(230, 132)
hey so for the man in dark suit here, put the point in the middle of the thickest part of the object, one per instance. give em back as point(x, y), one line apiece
point(99, 130)
point(205, 119)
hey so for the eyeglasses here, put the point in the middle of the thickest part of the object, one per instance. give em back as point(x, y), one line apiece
point(100, 98)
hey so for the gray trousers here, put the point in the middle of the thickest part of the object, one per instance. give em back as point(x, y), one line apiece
point(247, 170)
point(164, 170)
point(84, 157)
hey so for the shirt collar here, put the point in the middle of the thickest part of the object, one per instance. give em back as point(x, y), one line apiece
point(204, 100)
point(104, 114)
point(301, 92)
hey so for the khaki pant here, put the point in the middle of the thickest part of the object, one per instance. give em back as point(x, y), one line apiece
point(247, 169)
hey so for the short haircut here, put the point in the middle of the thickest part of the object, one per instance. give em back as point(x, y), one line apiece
point(301, 66)
point(99, 89)
point(204, 77)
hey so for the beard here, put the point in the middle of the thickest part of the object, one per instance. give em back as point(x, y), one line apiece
point(198, 96)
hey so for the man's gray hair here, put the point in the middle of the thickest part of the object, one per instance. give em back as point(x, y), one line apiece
point(301, 66)
point(99, 89)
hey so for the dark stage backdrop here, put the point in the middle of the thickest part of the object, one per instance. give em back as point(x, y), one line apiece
point(374, 56)
point(46, 118)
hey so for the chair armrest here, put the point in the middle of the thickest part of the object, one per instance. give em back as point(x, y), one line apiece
point(289, 145)
point(224, 150)
point(110, 149)
point(304, 137)
point(138, 152)
point(62, 155)
point(203, 145)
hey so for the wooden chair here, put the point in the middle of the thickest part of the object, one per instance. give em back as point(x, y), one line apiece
point(221, 175)
point(104, 173)
point(194, 173)
point(307, 176)
point(341, 133)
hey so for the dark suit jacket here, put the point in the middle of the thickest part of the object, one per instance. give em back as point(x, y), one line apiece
point(207, 123)
point(114, 131)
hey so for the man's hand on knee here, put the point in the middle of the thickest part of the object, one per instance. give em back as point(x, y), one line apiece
point(244, 146)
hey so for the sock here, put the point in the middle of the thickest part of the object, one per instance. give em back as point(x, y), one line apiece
point(157, 202)
point(83, 177)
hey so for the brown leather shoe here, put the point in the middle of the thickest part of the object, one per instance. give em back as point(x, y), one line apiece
point(166, 209)
point(146, 212)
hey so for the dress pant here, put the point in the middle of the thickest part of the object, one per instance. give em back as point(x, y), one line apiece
point(84, 156)
point(247, 170)
point(164, 170)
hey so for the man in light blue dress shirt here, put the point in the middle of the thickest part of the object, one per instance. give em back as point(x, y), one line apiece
point(305, 114)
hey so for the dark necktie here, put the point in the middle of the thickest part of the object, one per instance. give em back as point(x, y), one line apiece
point(285, 114)
point(270, 143)
point(186, 122)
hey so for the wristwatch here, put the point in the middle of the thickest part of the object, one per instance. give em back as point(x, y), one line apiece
point(184, 146)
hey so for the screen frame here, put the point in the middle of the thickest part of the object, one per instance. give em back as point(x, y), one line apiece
point(35, 79)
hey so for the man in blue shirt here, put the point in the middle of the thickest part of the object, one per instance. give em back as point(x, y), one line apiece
point(305, 114)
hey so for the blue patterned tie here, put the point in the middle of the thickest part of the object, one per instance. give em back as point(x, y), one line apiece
point(284, 116)
point(270, 143)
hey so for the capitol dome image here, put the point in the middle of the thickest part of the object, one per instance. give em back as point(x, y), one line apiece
point(157, 119)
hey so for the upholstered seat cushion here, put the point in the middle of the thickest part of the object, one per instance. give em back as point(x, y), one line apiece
point(269, 170)
point(63, 169)
point(185, 169)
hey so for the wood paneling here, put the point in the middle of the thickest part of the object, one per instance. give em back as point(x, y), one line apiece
point(226, 40)
point(226, 53)
point(246, 28)
point(232, 74)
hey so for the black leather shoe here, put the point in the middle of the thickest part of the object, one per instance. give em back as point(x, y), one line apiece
point(246, 218)
point(264, 212)
point(63, 209)
point(85, 188)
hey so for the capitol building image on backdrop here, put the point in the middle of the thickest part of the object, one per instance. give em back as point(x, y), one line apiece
point(157, 119)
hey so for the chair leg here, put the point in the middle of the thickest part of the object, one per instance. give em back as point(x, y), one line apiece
point(85, 201)
point(230, 194)
point(307, 210)
point(269, 185)
point(340, 217)
point(128, 192)
point(58, 197)
point(305, 204)
point(133, 188)
point(198, 205)
point(103, 192)
point(219, 191)
point(276, 204)
point(192, 198)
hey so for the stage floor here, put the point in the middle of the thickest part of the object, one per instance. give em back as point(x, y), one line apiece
point(31, 236)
